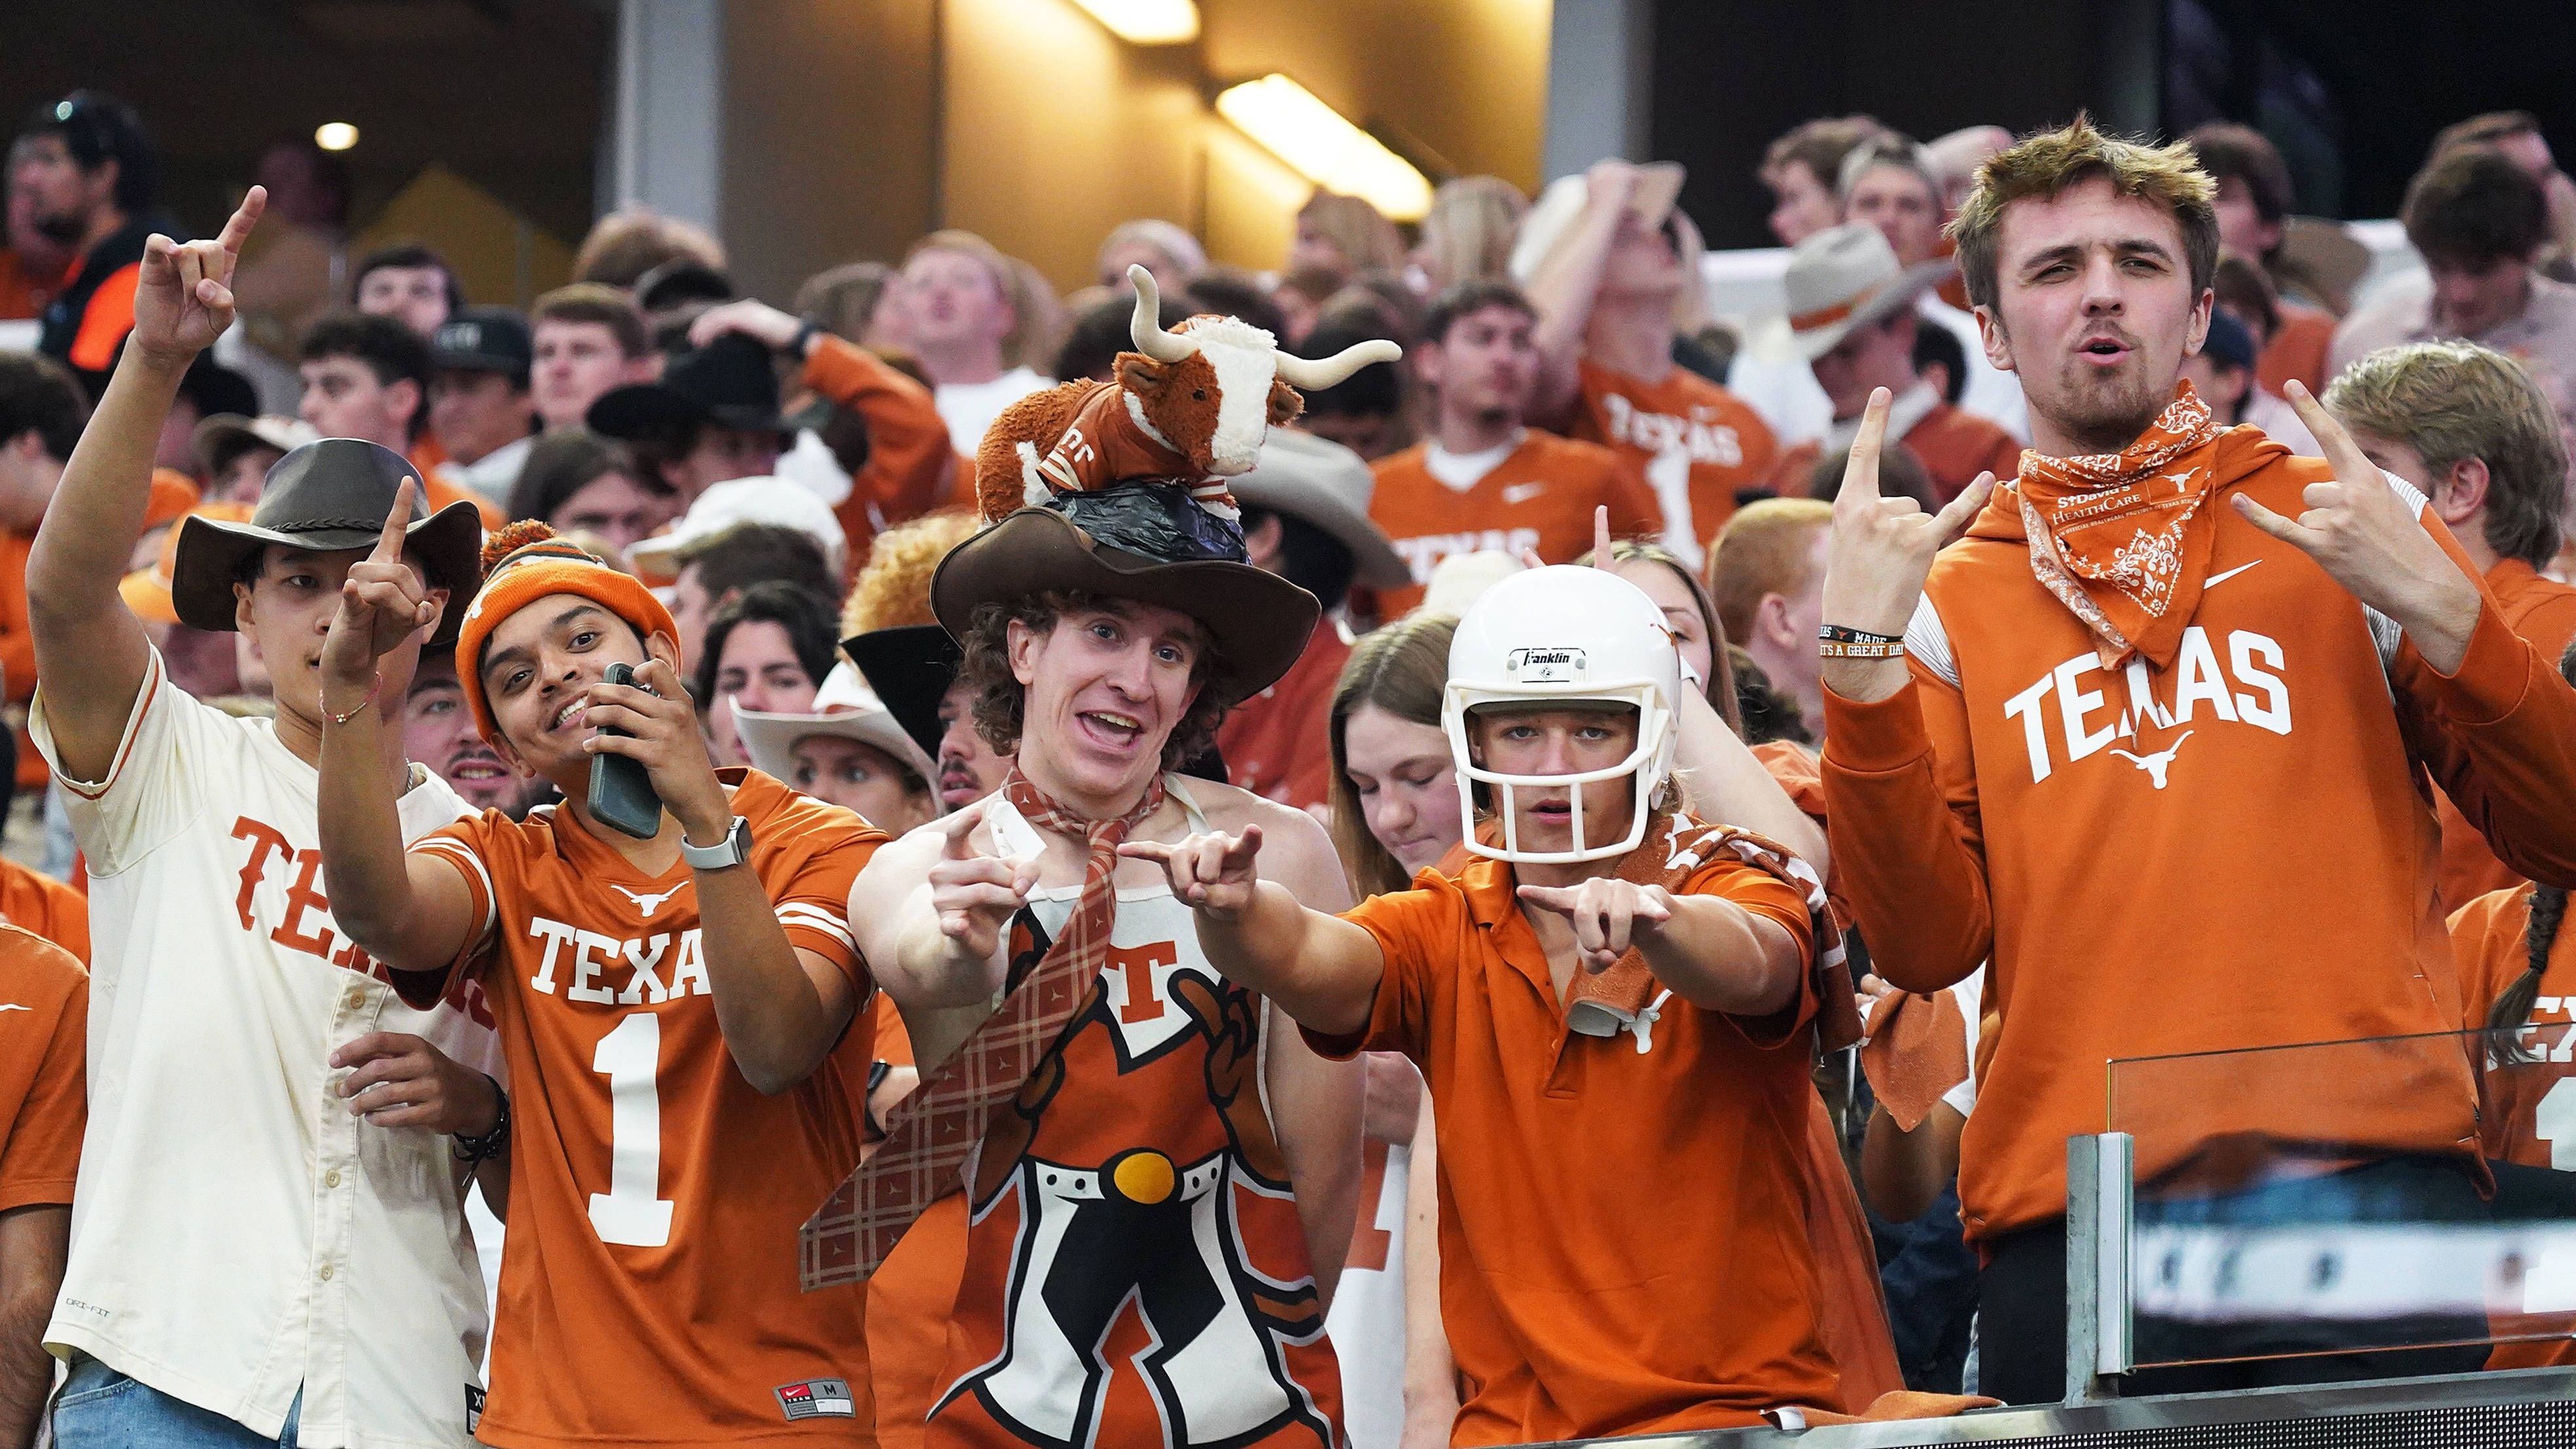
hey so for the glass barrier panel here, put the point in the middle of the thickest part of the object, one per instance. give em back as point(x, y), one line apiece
point(2408, 1198)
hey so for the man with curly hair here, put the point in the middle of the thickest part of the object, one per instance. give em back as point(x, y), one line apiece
point(1131, 1127)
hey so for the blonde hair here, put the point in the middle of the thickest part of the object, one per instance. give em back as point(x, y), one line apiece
point(1402, 669)
point(627, 243)
point(2452, 401)
point(2044, 164)
point(1366, 237)
point(1467, 236)
point(1764, 549)
point(894, 589)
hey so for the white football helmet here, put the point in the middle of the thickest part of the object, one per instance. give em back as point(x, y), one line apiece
point(1563, 635)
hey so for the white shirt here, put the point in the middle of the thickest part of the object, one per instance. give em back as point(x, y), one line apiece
point(237, 1234)
point(497, 472)
point(1366, 1321)
point(1970, 993)
point(1461, 472)
point(970, 407)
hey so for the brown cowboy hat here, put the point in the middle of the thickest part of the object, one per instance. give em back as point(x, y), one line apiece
point(326, 496)
point(1147, 542)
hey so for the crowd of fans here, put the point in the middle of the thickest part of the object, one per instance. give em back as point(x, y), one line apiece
point(761, 498)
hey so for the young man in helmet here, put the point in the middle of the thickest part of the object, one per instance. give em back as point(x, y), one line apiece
point(1162, 1184)
point(1615, 994)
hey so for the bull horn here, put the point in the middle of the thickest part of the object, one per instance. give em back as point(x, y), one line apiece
point(1146, 328)
point(1322, 372)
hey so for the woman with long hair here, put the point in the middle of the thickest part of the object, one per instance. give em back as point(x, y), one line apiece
point(1394, 795)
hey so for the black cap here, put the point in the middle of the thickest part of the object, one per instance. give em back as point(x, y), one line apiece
point(731, 381)
point(484, 339)
point(214, 389)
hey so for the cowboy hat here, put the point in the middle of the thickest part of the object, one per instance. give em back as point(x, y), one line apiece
point(909, 668)
point(843, 706)
point(328, 496)
point(730, 382)
point(1142, 541)
point(226, 436)
point(1847, 277)
point(1327, 485)
point(736, 501)
point(1551, 221)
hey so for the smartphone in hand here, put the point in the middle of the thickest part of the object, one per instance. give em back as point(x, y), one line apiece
point(621, 793)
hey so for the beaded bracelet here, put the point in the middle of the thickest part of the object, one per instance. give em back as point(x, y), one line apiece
point(373, 686)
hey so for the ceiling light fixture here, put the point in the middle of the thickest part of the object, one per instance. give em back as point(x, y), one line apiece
point(1325, 147)
point(335, 135)
point(1146, 22)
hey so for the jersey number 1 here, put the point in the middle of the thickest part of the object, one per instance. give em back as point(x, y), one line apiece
point(630, 1056)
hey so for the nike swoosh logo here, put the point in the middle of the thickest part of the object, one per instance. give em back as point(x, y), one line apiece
point(1523, 492)
point(2214, 580)
point(13, 1006)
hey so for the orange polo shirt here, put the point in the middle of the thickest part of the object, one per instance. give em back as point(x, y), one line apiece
point(1576, 1305)
point(2542, 611)
point(1695, 443)
point(2227, 853)
point(1953, 447)
point(1540, 498)
point(38, 903)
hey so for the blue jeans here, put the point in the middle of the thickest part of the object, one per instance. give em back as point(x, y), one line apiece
point(103, 1409)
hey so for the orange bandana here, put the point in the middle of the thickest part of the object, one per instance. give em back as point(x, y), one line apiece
point(1916, 1052)
point(2122, 539)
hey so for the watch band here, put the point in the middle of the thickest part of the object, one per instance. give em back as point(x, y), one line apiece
point(733, 850)
point(806, 331)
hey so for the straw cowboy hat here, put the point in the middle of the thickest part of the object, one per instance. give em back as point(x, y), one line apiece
point(325, 497)
point(1846, 277)
point(843, 706)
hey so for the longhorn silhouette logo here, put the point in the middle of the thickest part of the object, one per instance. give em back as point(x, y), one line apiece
point(2156, 763)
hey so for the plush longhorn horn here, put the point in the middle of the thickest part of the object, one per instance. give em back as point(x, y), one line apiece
point(1325, 371)
point(1146, 328)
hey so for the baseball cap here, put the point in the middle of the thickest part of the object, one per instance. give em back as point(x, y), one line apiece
point(766, 499)
point(484, 339)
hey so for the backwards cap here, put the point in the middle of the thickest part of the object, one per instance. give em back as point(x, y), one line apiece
point(524, 563)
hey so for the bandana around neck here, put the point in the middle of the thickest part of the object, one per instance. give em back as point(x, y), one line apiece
point(2122, 539)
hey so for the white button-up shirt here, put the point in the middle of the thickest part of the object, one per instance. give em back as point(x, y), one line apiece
point(237, 1234)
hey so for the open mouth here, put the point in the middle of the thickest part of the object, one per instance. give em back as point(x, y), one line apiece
point(571, 715)
point(1111, 730)
point(2103, 351)
point(476, 769)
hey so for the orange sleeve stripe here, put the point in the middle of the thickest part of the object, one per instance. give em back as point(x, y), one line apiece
point(109, 317)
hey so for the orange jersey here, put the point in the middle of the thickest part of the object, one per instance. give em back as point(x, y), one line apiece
point(2228, 852)
point(31, 899)
point(1696, 444)
point(44, 1052)
point(649, 1283)
point(2542, 611)
point(1136, 1272)
point(1573, 1308)
point(1540, 497)
point(22, 294)
point(1278, 744)
point(914, 1292)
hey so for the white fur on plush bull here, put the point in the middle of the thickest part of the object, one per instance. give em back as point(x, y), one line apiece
point(1190, 407)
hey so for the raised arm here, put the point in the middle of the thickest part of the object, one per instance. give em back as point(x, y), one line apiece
point(411, 912)
point(1902, 811)
point(1321, 970)
point(90, 651)
point(1563, 291)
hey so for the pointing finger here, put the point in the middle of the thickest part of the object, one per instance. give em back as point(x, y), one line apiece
point(389, 542)
point(244, 217)
point(959, 828)
point(1860, 475)
point(1963, 510)
point(1239, 852)
point(1601, 544)
point(2333, 439)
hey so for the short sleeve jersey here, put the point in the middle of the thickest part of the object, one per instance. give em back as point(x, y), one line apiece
point(44, 1025)
point(649, 1288)
point(1539, 498)
point(1573, 1311)
point(1696, 443)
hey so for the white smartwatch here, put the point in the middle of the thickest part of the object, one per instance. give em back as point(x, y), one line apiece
point(733, 850)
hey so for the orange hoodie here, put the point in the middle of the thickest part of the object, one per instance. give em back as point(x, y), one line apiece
point(2232, 851)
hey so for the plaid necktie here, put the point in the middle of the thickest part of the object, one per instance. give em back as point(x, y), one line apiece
point(930, 1133)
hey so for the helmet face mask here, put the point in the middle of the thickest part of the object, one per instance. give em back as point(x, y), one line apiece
point(1563, 637)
